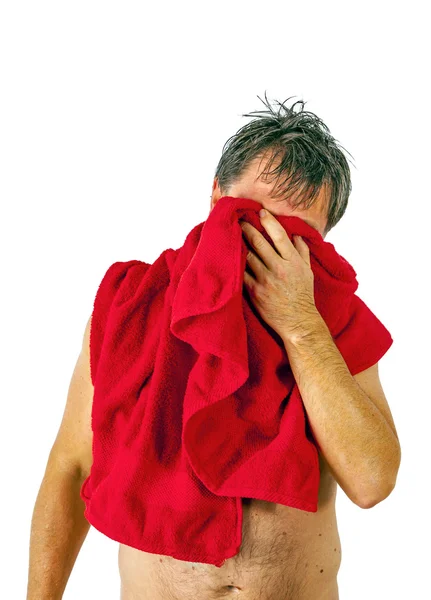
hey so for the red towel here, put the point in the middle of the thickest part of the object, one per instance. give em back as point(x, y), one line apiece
point(195, 405)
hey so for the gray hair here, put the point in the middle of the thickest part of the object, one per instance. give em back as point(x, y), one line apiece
point(310, 157)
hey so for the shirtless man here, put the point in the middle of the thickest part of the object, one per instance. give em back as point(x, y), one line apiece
point(286, 553)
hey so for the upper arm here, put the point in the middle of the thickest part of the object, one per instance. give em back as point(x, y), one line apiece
point(72, 448)
point(369, 381)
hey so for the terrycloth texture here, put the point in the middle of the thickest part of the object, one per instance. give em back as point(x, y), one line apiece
point(195, 405)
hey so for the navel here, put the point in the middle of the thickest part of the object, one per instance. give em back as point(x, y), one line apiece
point(232, 588)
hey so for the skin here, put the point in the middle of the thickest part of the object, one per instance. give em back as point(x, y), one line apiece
point(286, 553)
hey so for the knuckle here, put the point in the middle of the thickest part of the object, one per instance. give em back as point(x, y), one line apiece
point(278, 236)
point(266, 279)
point(280, 271)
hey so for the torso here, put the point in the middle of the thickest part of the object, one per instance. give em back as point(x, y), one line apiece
point(286, 554)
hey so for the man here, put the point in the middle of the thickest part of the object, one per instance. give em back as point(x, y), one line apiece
point(286, 553)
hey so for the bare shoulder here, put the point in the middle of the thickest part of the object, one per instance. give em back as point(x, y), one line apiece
point(72, 448)
point(369, 381)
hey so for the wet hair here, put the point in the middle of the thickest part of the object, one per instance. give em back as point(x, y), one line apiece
point(310, 158)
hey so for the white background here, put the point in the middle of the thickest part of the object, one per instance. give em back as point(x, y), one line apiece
point(112, 120)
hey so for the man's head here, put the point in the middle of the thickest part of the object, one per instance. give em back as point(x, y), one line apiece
point(315, 175)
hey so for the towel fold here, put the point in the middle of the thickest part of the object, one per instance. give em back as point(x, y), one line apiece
point(195, 405)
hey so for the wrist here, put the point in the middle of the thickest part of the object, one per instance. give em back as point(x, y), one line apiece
point(311, 327)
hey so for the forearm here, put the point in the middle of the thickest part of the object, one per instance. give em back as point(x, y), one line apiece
point(58, 529)
point(356, 440)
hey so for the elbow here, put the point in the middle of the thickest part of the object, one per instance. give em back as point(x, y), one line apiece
point(386, 485)
point(372, 499)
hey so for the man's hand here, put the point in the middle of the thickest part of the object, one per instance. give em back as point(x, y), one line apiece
point(282, 288)
point(361, 448)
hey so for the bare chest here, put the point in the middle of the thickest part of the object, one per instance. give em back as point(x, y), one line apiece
point(286, 554)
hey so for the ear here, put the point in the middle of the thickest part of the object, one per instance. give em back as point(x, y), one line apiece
point(216, 193)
